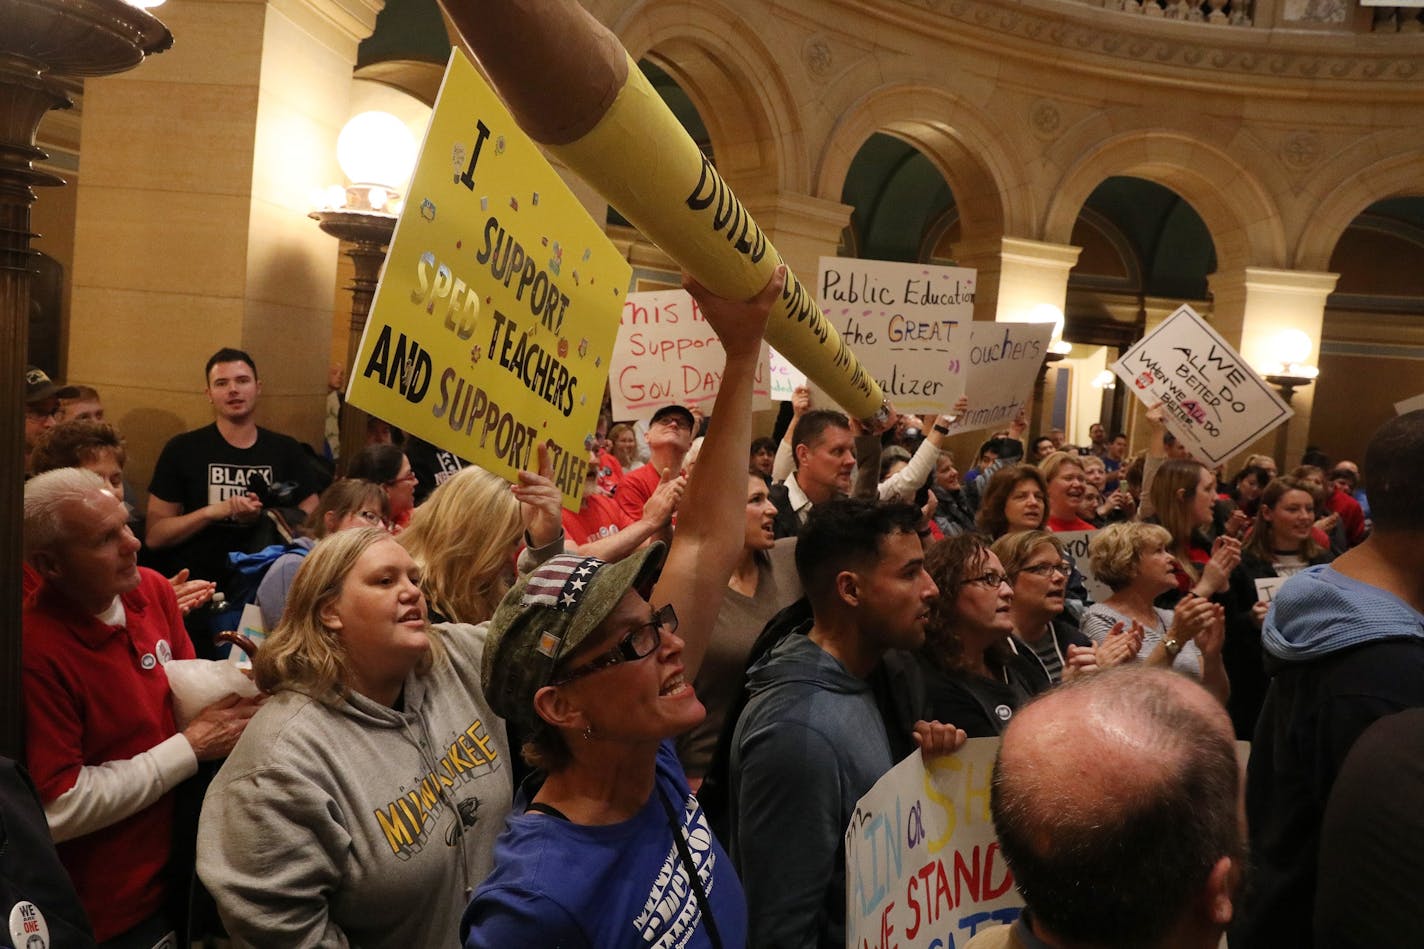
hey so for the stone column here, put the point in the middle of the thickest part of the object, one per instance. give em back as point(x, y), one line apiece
point(192, 231)
point(803, 228)
point(1250, 307)
point(1016, 274)
point(40, 43)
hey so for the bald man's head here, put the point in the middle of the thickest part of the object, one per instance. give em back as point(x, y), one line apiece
point(1115, 798)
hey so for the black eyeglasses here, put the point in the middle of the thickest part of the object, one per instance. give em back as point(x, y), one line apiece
point(1047, 570)
point(993, 579)
point(640, 642)
point(373, 518)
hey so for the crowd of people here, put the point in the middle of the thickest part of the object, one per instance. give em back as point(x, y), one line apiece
point(486, 720)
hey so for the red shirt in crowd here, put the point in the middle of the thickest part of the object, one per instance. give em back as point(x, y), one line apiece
point(597, 518)
point(637, 487)
point(96, 693)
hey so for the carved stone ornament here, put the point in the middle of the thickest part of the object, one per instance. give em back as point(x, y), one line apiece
point(1046, 117)
point(818, 57)
point(1301, 150)
point(1237, 51)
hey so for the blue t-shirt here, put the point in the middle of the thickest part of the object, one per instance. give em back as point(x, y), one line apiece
point(556, 883)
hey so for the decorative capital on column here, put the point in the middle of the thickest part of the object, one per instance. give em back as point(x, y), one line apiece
point(1310, 284)
point(803, 215)
point(338, 24)
point(1018, 251)
point(1252, 306)
point(1016, 274)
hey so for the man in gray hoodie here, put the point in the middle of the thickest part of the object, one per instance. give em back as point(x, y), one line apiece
point(812, 739)
point(1344, 646)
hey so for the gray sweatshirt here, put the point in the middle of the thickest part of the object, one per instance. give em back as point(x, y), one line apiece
point(358, 825)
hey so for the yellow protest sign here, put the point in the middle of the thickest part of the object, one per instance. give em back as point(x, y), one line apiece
point(494, 321)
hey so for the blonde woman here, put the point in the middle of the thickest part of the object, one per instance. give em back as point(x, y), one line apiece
point(1065, 482)
point(1136, 561)
point(1038, 570)
point(465, 537)
point(624, 438)
point(365, 808)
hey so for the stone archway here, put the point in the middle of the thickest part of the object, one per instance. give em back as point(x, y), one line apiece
point(1244, 222)
point(1389, 177)
point(736, 84)
point(988, 184)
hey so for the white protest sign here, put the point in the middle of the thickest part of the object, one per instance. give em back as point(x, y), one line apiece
point(1409, 405)
point(1003, 361)
point(923, 867)
point(668, 354)
point(907, 324)
point(1213, 402)
point(1266, 588)
point(785, 378)
point(1075, 545)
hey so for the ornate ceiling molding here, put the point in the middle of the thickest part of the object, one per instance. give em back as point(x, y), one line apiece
point(1169, 46)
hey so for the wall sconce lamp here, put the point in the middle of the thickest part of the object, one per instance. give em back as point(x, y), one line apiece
point(1058, 347)
point(1292, 372)
point(377, 153)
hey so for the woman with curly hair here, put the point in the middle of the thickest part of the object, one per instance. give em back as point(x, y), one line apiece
point(977, 674)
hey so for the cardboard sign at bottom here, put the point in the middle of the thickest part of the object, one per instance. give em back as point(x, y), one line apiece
point(923, 867)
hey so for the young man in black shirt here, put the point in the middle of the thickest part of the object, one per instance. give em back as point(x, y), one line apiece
point(204, 497)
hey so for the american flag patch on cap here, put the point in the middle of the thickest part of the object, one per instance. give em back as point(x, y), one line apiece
point(560, 583)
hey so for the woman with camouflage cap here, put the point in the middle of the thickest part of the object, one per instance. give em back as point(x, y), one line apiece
point(596, 661)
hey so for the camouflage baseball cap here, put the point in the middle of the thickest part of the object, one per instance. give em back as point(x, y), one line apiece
point(548, 614)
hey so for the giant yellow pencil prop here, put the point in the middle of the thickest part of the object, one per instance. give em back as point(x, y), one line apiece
point(573, 88)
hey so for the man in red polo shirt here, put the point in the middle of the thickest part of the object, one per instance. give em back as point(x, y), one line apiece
point(101, 740)
point(670, 435)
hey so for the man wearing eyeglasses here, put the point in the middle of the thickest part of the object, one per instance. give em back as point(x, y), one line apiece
point(670, 434)
point(41, 409)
